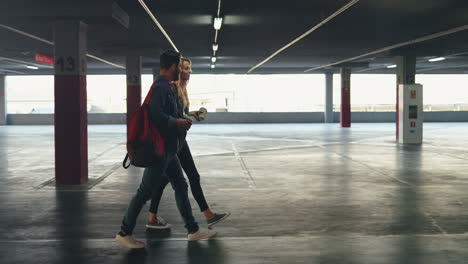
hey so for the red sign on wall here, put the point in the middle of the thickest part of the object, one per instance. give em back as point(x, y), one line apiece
point(413, 94)
point(44, 59)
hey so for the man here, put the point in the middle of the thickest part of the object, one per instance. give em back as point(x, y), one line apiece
point(163, 112)
point(186, 160)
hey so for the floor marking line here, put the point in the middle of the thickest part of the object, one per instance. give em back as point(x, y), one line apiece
point(445, 154)
point(370, 167)
point(42, 185)
point(104, 152)
point(434, 223)
point(245, 170)
point(105, 175)
point(265, 150)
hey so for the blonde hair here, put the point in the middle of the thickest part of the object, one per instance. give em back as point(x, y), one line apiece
point(182, 91)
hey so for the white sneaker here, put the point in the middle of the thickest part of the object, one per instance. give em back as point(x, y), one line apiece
point(129, 241)
point(201, 234)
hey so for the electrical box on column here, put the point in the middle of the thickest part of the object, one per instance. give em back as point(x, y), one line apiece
point(410, 113)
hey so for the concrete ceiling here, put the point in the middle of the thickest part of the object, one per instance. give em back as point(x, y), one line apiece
point(251, 32)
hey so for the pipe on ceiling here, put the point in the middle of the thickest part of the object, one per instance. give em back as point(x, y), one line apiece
point(341, 10)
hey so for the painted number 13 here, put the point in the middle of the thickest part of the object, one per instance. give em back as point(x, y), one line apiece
point(67, 64)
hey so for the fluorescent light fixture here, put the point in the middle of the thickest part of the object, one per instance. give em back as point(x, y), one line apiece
point(437, 59)
point(213, 66)
point(32, 67)
point(213, 59)
point(218, 21)
point(391, 66)
point(215, 47)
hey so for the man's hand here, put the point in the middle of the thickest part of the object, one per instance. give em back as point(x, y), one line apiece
point(195, 115)
point(183, 123)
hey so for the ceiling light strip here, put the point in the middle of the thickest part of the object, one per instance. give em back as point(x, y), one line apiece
point(437, 59)
point(25, 62)
point(341, 10)
point(446, 67)
point(380, 67)
point(414, 41)
point(142, 3)
point(456, 54)
point(3, 70)
point(26, 34)
point(215, 43)
point(417, 61)
point(52, 43)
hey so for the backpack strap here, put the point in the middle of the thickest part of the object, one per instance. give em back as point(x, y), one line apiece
point(125, 161)
point(148, 96)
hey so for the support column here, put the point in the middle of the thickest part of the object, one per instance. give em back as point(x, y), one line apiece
point(71, 118)
point(345, 113)
point(133, 65)
point(328, 111)
point(3, 103)
point(405, 72)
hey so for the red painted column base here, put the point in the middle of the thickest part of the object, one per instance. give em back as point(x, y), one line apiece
point(345, 110)
point(345, 117)
point(71, 130)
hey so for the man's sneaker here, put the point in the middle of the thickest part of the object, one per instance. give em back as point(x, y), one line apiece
point(201, 234)
point(217, 218)
point(158, 223)
point(129, 241)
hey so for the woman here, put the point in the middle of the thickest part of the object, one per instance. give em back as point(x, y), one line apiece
point(186, 160)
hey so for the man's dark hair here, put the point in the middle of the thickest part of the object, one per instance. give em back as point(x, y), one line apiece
point(168, 58)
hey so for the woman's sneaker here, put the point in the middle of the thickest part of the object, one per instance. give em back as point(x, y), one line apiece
point(201, 234)
point(217, 218)
point(129, 241)
point(158, 223)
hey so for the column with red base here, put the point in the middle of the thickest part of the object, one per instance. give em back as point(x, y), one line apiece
point(405, 72)
point(133, 65)
point(345, 111)
point(71, 120)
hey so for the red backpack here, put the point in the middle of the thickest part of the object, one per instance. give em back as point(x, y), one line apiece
point(145, 145)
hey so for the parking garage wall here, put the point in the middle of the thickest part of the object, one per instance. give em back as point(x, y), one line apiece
point(233, 118)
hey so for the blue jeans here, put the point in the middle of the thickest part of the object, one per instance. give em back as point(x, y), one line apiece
point(154, 177)
point(186, 160)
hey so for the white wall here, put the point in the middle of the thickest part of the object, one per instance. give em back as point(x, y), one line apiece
point(233, 118)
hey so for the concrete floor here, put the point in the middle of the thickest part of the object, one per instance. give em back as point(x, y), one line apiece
point(298, 193)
